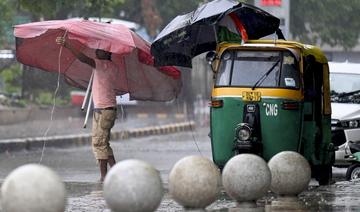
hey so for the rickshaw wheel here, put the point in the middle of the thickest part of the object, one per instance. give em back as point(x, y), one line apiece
point(324, 174)
point(353, 172)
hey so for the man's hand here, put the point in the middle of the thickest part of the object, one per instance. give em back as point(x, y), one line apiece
point(79, 55)
point(60, 41)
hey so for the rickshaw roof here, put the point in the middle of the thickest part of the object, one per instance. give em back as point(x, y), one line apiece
point(305, 49)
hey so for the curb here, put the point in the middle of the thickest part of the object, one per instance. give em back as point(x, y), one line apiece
point(19, 144)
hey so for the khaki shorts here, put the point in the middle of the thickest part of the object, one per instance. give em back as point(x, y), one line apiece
point(103, 121)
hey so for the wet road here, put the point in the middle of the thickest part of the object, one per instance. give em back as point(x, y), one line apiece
point(78, 169)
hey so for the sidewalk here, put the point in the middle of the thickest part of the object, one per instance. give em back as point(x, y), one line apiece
point(70, 132)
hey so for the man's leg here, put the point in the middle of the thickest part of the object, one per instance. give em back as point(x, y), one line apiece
point(111, 160)
point(110, 117)
point(99, 145)
point(103, 169)
point(103, 121)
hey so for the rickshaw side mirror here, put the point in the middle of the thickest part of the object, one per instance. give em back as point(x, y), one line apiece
point(211, 56)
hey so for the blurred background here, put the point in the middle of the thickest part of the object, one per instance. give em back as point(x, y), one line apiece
point(333, 25)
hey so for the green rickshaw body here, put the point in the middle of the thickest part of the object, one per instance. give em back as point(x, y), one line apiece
point(270, 97)
point(280, 129)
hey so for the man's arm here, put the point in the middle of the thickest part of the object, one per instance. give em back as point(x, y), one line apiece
point(79, 55)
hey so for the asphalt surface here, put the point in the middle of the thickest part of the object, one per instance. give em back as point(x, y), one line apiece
point(77, 166)
point(78, 169)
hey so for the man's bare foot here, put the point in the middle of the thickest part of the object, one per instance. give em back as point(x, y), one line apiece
point(101, 180)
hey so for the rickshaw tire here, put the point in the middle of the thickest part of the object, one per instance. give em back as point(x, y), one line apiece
point(325, 175)
point(350, 170)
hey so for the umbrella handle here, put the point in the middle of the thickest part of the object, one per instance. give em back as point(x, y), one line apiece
point(65, 34)
point(88, 110)
point(87, 91)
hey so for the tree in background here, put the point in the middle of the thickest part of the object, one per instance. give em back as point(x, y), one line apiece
point(6, 21)
point(155, 14)
point(169, 9)
point(62, 9)
point(332, 22)
point(151, 17)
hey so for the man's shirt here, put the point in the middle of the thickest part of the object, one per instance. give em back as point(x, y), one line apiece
point(103, 87)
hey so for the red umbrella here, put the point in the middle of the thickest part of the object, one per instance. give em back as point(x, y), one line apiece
point(36, 47)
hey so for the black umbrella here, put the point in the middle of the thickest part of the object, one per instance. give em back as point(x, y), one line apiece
point(196, 32)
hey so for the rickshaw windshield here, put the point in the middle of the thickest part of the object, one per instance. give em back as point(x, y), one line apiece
point(258, 68)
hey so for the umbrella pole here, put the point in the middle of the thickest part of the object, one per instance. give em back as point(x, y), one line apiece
point(88, 92)
point(88, 95)
point(88, 110)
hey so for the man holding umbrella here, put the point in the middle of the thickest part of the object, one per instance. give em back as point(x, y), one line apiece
point(104, 98)
point(129, 68)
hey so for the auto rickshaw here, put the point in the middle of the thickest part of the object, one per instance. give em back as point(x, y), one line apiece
point(271, 96)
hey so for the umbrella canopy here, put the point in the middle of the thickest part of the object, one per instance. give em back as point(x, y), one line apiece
point(36, 47)
point(196, 32)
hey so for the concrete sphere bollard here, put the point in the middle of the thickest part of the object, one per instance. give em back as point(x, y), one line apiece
point(133, 186)
point(246, 178)
point(194, 182)
point(291, 173)
point(33, 188)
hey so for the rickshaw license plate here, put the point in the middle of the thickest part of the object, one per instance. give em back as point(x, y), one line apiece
point(251, 96)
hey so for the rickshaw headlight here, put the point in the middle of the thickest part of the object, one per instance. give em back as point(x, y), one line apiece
point(243, 132)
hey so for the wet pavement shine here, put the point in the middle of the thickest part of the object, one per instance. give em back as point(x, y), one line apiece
point(342, 196)
point(79, 171)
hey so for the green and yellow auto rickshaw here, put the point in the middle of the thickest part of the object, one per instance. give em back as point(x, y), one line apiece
point(271, 96)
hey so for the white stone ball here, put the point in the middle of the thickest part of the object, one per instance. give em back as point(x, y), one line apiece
point(194, 182)
point(33, 188)
point(246, 177)
point(291, 173)
point(133, 186)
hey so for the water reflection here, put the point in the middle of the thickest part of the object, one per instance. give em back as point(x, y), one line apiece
point(342, 196)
